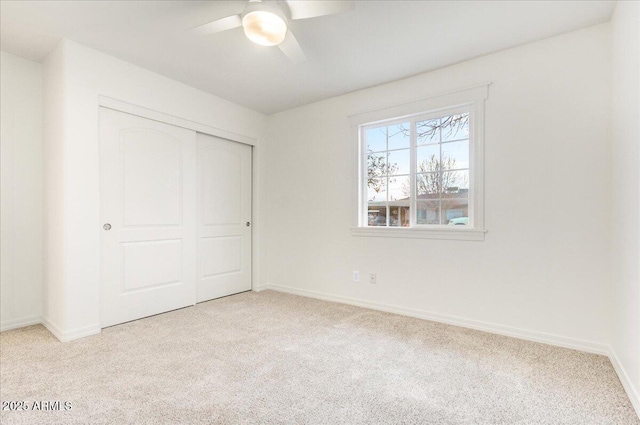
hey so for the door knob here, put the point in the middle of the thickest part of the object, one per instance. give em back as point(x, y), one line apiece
point(248, 223)
point(106, 226)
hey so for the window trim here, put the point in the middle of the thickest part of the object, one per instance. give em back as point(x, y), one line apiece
point(470, 99)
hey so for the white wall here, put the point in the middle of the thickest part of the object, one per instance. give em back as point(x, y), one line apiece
point(21, 191)
point(544, 268)
point(53, 169)
point(87, 75)
point(625, 332)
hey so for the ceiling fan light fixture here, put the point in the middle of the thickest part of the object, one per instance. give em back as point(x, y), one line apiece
point(264, 28)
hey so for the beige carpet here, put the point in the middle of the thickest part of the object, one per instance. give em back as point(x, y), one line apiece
point(272, 358)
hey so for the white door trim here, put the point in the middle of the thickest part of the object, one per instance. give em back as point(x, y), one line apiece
point(129, 108)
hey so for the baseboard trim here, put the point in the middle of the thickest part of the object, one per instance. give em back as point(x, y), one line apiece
point(82, 332)
point(51, 327)
point(8, 325)
point(66, 336)
point(261, 288)
point(542, 337)
point(627, 384)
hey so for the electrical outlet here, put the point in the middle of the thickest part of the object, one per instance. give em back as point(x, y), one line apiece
point(373, 278)
point(356, 276)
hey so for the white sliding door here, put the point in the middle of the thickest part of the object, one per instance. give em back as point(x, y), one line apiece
point(148, 212)
point(224, 217)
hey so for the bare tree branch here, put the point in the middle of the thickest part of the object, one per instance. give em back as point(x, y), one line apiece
point(378, 167)
point(436, 178)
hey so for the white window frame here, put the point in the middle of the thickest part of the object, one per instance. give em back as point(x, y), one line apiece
point(466, 100)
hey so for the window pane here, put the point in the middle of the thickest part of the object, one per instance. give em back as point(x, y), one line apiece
point(377, 215)
point(428, 186)
point(399, 188)
point(405, 217)
point(399, 162)
point(399, 137)
point(377, 190)
point(455, 155)
point(455, 212)
point(393, 216)
point(441, 163)
point(376, 165)
point(428, 158)
point(455, 127)
point(399, 216)
point(376, 139)
point(428, 131)
point(455, 184)
point(428, 212)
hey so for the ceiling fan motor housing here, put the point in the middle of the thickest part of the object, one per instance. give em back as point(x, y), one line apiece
point(265, 6)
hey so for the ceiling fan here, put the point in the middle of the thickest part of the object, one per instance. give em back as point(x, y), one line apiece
point(265, 22)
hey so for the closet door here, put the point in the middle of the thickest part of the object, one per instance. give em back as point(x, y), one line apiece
point(224, 217)
point(148, 211)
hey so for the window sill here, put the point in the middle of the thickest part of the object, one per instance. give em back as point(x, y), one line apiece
point(412, 233)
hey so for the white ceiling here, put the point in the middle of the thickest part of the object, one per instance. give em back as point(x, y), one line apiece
point(378, 42)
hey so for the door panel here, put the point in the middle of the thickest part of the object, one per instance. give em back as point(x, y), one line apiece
point(148, 196)
point(224, 199)
point(166, 257)
point(221, 255)
point(222, 182)
point(152, 172)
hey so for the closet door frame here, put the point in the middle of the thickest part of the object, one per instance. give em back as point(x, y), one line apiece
point(129, 108)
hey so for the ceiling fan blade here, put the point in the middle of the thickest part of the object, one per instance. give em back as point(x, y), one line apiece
point(292, 49)
point(218, 25)
point(303, 9)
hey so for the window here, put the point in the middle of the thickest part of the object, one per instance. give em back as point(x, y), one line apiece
point(420, 174)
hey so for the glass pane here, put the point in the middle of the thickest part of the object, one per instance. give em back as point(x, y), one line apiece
point(377, 190)
point(377, 215)
point(455, 155)
point(455, 212)
point(428, 212)
point(399, 162)
point(399, 216)
point(428, 185)
point(376, 139)
point(428, 131)
point(399, 137)
point(376, 165)
point(455, 184)
point(394, 216)
point(428, 158)
point(399, 188)
point(405, 217)
point(455, 127)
